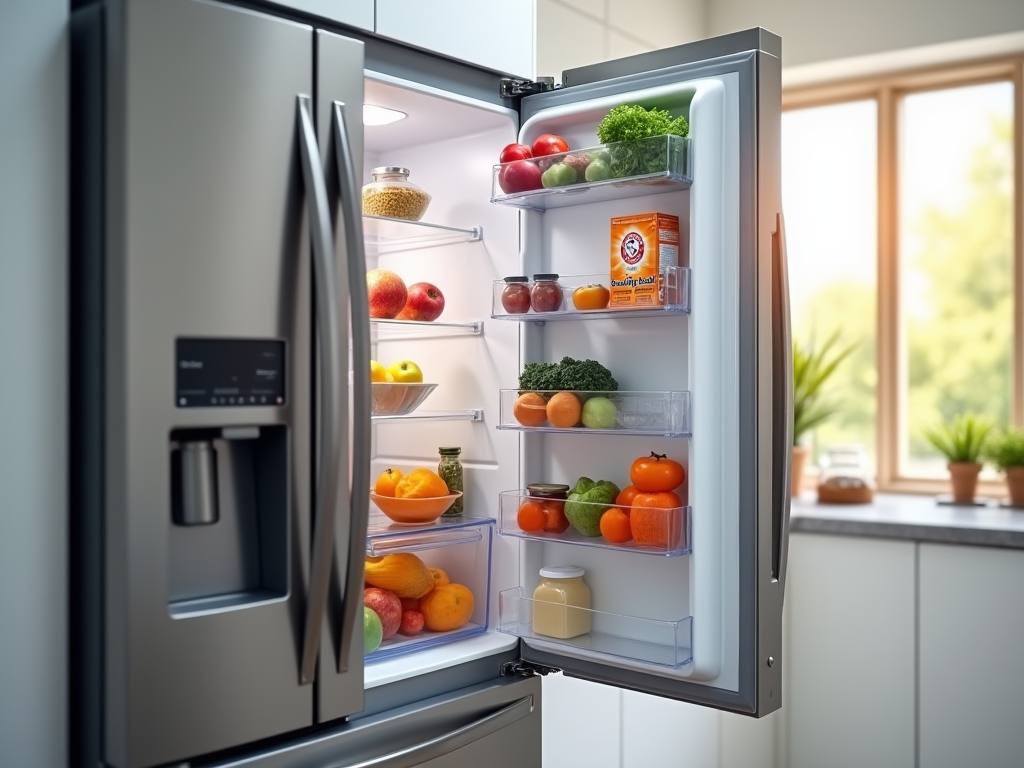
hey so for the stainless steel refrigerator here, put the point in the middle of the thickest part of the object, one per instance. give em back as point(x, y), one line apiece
point(224, 438)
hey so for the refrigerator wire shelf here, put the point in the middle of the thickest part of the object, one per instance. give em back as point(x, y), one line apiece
point(383, 235)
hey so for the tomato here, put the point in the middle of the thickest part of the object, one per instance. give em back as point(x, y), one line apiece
point(625, 497)
point(549, 144)
point(590, 297)
point(520, 176)
point(515, 152)
point(655, 519)
point(654, 473)
point(557, 522)
point(615, 526)
point(531, 517)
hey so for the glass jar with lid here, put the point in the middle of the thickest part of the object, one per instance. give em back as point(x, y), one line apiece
point(546, 293)
point(391, 194)
point(450, 470)
point(561, 603)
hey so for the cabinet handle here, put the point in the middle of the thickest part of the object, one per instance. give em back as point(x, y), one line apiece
point(782, 405)
point(330, 388)
point(350, 200)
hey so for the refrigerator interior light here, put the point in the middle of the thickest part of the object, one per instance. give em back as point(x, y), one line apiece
point(374, 115)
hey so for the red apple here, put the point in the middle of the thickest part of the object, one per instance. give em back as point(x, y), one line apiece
point(425, 302)
point(387, 293)
point(410, 603)
point(520, 176)
point(387, 606)
point(412, 623)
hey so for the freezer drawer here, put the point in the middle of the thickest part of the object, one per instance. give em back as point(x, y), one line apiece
point(496, 724)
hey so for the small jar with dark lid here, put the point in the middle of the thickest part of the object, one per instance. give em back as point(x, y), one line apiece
point(515, 298)
point(546, 293)
point(450, 470)
point(548, 491)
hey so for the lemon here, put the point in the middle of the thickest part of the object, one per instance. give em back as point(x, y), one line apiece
point(377, 371)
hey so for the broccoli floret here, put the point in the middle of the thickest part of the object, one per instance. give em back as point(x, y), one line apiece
point(580, 375)
point(586, 376)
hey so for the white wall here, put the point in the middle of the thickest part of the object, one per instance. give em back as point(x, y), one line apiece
point(33, 318)
point(573, 33)
point(820, 30)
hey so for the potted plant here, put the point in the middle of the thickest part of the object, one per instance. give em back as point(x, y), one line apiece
point(962, 441)
point(812, 368)
point(1005, 452)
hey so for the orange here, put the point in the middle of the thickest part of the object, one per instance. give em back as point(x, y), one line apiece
point(421, 483)
point(531, 517)
point(564, 410)
point(654, 519)
point(626, 496)
point(387, 482)
point(530, 409)
point(440, 577)
point(590, 297)
point(447, 607)
point(615, 526)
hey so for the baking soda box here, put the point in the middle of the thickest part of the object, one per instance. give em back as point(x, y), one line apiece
point(642, 246)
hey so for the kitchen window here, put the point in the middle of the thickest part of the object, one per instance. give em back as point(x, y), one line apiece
point(905, 226)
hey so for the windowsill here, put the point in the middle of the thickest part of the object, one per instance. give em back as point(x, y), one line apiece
point(915, 518)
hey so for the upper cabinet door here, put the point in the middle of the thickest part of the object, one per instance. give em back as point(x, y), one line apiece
point(498, 34)
point(355, 13)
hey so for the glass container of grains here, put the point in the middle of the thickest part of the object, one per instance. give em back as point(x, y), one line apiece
point(392, 194)
point(450, 470)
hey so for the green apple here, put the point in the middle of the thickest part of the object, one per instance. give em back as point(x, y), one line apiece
point(406, 371)
point(599, 413)
point(373, 631)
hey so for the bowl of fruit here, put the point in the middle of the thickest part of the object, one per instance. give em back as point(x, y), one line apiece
point(398, 390)
point(414, 499)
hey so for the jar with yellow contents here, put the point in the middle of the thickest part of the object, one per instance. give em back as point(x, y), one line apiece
point(561, 603)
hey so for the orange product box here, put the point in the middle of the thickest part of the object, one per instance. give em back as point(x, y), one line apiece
point(642, 246)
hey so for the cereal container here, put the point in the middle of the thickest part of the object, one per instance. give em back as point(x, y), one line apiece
point(392, 194)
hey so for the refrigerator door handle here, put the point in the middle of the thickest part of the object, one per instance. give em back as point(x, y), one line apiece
point(782, 388)
point(329, 390)
point(352, 225)
point(453, 740)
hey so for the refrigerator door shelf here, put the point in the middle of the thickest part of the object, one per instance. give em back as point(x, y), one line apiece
point(613, 636)
point(665, 532)
point(467, 414)
point(664, 413)
point(398, 330)
point(383, 235)
point(675, 281)
point(461, 548)
point(655, 165)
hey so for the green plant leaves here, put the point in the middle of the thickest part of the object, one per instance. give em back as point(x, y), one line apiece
point(812, 369)
point(964, 439)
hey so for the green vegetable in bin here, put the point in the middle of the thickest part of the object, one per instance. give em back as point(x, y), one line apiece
point(630, 123)
point(587, 502)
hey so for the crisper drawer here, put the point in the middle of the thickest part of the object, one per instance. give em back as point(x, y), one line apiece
point(456, 552)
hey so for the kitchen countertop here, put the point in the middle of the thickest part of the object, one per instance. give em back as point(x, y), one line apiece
point(915, 518)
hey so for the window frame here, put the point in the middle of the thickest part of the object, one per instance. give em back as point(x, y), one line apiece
point(887, 90)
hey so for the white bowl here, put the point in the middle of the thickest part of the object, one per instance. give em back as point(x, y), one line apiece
point(398, 399)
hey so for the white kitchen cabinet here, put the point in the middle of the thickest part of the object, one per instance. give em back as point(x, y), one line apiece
point(661, 733)
point(582, 723)
point(498, 34)
point(971, 657)
point(849, 693)
point(355, 13)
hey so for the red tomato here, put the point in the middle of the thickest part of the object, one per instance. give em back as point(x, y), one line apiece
point(520, 176)
point(514, 152)
point(655, 473)
point(549, 144)
point(531, 516)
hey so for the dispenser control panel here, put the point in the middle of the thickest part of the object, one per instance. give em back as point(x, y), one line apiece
point(229, 372)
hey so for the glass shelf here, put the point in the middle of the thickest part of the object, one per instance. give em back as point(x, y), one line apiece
point(675, 282)
point(461, 547)
point(666, 413)
point(665, 161)
point(382, 235)
point(666, 532)
point(613, 635)
point(469, 414)
point(395, 330)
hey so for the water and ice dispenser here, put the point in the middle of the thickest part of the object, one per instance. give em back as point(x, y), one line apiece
point(229, 482)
